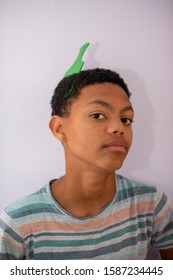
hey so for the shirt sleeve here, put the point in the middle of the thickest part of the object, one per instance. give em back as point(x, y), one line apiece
point(12, 246)
point(162, 235)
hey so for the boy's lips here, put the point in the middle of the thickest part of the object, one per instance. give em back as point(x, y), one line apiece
point(119, 145)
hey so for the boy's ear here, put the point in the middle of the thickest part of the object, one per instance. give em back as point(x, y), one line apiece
point(56, 126)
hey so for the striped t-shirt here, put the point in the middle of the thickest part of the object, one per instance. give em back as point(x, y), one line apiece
point(37, 227)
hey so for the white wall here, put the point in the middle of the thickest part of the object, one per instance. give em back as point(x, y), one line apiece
point(39, 40)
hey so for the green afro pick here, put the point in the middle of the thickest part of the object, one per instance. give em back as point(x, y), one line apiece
point(78, 63)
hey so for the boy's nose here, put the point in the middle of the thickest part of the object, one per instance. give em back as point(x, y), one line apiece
point(116, 128)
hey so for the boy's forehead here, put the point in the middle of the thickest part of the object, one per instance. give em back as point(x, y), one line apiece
point(103, 90)
point(106, 95)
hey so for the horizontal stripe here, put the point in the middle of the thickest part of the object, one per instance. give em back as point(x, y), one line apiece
point(137, 191)
point(162, 218)
point(92, 233)
point(87, 254)
point(101, 222)
point(10, 247)
point(10, 232)
point(164, 239)
point(91, 241)
point(165, 230)
point(4, 241)
point(31, 211)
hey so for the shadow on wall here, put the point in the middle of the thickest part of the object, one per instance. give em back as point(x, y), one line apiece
point(91, 61)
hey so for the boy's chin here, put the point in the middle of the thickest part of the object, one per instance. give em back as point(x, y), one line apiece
point(114, 165)
point(111, 168)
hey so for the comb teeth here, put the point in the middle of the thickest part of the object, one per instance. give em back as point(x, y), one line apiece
point(78, 63)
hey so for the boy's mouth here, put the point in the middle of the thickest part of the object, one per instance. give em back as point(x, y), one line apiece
point(119, 145)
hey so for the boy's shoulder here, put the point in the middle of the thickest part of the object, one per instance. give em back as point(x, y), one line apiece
point(29, 203)
point(136, 192)
point(136, 186)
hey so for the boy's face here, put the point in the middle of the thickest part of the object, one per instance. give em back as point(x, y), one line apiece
point(98, 132)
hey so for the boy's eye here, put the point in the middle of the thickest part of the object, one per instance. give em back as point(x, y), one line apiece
point(97, 116)
point(127, 120)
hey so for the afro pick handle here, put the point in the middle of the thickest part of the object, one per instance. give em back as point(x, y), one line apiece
point(78, 63)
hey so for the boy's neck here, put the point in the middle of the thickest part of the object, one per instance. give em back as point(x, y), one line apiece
point(84, 194)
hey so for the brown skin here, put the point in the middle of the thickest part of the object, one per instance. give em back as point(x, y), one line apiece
point(96, 138)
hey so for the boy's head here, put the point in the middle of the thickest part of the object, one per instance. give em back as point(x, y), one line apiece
point(92, 117)
point(69, 89)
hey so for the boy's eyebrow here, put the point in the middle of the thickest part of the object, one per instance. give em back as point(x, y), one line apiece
point(102, 103)
point(109, 106)
point(127, 108)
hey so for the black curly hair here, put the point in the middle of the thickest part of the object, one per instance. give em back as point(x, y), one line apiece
point(69, 88)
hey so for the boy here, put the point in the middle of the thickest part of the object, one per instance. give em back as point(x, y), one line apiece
point(90, 212)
